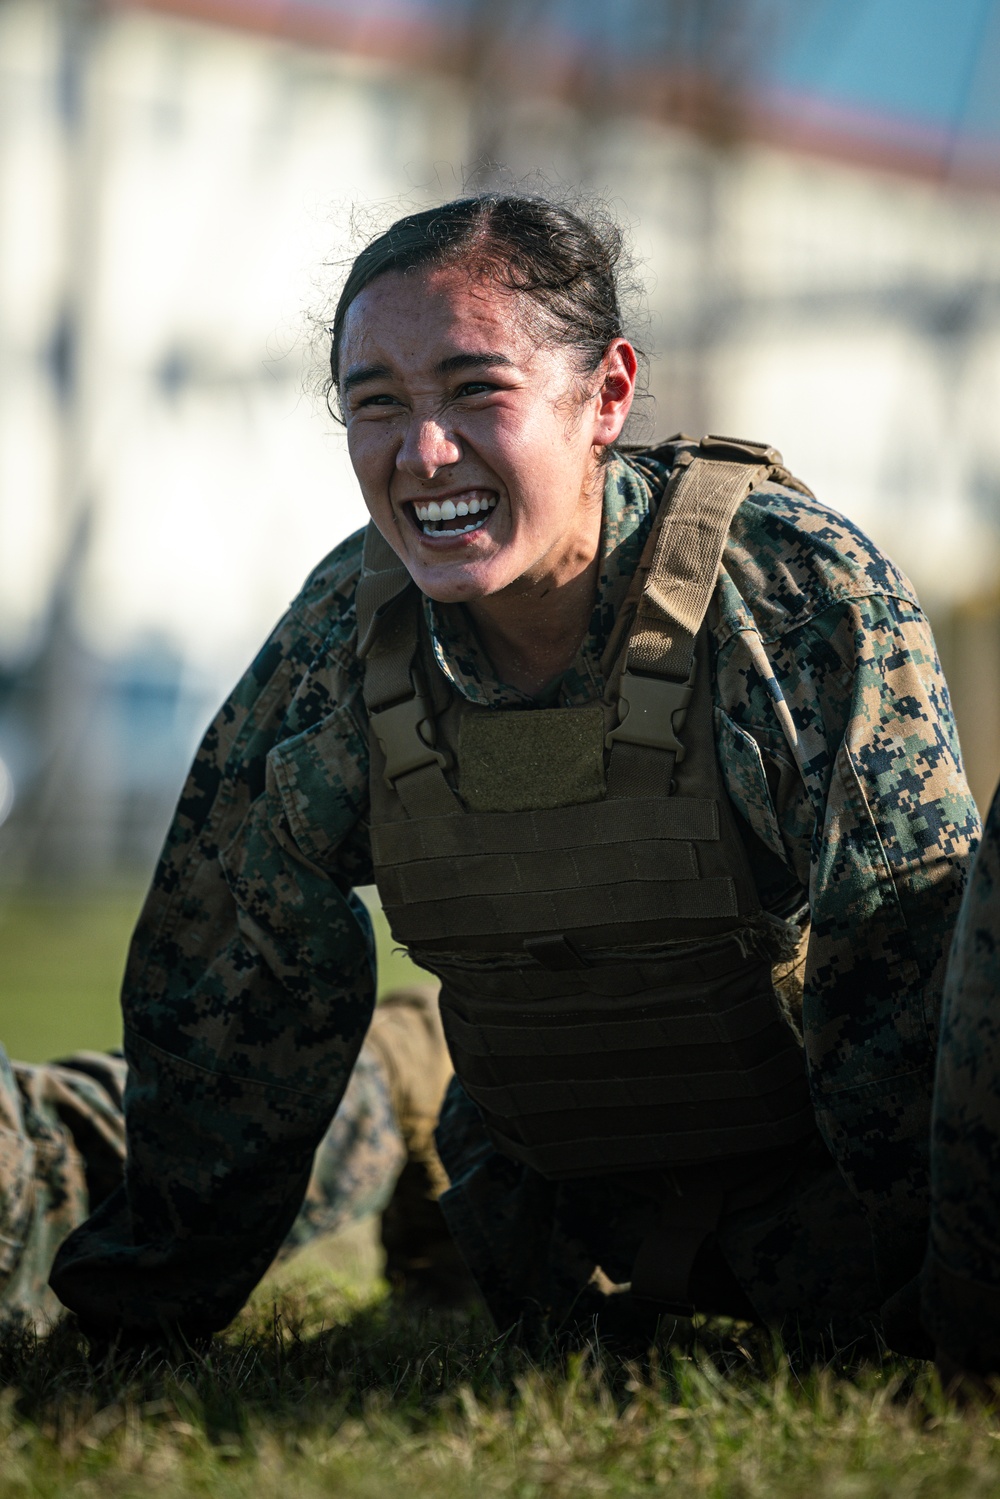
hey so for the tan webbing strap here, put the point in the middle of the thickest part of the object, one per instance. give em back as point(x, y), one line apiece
point(689, 537)
point(622, 626)
point(383, 578)
point(400, 712)
point(391, 652)
point(685, 565)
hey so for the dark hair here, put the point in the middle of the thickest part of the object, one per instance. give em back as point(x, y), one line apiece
point(520, 242)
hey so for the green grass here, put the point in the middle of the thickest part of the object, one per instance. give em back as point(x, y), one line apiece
point(61, 965)
point(394, 966)
point(325, 1387)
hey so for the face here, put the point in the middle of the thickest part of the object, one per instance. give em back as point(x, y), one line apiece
point(476, 448)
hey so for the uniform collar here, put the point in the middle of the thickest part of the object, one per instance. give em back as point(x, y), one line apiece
point(632, 488)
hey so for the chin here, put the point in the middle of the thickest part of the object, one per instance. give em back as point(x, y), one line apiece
point(443, 593)
point(445, 590)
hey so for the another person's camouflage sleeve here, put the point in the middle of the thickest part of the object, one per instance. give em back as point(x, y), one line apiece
point(839, 746)
point(62, 1152)
point(62, 1148)
point(248, 992)
point(961, 1292)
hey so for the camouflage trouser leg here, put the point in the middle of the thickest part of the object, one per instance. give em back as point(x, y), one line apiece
point(62, 1150)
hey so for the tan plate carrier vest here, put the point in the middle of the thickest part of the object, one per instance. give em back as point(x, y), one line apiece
point(576, 878)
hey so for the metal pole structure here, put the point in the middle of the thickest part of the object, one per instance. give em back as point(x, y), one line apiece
point(61, 839)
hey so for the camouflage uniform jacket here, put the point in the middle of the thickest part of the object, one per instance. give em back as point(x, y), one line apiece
point(249, 985)
point(961, 1292)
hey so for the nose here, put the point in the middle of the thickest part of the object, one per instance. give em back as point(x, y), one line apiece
point(427, 447)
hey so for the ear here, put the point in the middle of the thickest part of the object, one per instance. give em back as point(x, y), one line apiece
point(613, 399)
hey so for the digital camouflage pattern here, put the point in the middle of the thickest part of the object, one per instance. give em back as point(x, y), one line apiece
point(62, 1146)
point(62, 1152)
point(250, 986)
point(961, 1294)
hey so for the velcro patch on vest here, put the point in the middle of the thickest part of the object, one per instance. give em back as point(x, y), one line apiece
point(532, 759)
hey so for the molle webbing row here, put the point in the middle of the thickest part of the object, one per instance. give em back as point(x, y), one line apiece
point(551, 871)
point(574, 908)
point(700, 1072)
point(410, 841)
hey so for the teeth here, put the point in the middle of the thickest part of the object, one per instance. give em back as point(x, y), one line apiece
point(430, 514)
point(431, 529)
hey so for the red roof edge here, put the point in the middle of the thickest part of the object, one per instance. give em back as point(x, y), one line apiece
point(801, 124)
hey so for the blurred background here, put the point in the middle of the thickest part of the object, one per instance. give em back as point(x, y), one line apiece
point(813, 193)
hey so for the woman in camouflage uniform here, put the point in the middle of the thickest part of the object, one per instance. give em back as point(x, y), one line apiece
point(478, 701)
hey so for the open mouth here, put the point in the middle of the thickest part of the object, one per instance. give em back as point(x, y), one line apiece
point(454, 517)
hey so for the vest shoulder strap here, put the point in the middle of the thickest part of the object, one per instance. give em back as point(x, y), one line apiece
point(400, 712)
point(710, 481)
point(679, 570)
point(383, 578)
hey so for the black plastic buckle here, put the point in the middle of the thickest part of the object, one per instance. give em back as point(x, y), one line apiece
point(405, 732)
point(651, 712)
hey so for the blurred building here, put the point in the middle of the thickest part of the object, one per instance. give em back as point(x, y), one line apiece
point(812, 191)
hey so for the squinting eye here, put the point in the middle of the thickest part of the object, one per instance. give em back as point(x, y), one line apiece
point(475, 388)
point(380, 400)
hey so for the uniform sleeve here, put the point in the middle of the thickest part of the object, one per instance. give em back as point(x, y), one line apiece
point(961, 1293)
point(861, 792)
point(247, 994)
point(894, 830)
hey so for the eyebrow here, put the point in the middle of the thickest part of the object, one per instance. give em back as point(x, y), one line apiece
point(473, 361)
point(455, 362)
point(363, 372)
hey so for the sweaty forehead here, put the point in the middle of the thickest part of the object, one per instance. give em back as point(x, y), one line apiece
point(414, 318)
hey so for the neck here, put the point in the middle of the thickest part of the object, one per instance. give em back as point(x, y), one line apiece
point(533, 633)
